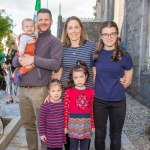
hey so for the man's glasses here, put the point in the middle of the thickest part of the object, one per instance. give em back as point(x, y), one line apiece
point(106, 35)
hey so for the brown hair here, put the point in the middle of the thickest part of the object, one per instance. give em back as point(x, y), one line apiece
point(13, 44)
point(79, 67)
point(54, 82)
point(66, 40)
point(45, 10)
point(118, 53)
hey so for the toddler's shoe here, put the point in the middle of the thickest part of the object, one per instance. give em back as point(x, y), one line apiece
point(18, 75)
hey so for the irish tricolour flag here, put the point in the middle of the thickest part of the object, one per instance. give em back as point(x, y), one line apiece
point(37, 7)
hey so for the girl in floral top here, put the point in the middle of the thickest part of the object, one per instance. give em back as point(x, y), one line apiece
point(79, 122)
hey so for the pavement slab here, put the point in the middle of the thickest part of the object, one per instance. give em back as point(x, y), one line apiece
point(18, 141)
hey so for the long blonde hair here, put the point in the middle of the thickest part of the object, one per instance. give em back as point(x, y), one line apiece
point(66, 40)
point(13, 44)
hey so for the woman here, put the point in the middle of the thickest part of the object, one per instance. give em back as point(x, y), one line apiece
point(109, 64)
point(8, 66)
point(76, 47)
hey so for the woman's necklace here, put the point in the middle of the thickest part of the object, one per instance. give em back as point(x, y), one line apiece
point(74, 50)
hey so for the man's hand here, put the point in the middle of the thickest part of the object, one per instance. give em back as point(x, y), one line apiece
point(47, 99)
point(26, 60)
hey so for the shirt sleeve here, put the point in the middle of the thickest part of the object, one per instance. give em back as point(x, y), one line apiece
point(54, 62)
point(66, 110)
point(22, 43)
point(92, 64)
point(92, 116)
point(42, 120)
point(128, 62)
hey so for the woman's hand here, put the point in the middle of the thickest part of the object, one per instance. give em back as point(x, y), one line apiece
point(127, 79)
point(43, 138)
point(123, 79)
point(93, 130)
point(65, 131)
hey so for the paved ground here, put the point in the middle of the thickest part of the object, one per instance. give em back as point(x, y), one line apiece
point(18, 142)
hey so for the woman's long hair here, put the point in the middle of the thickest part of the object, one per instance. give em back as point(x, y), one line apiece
point(66, 40)
point(118, 53)
point(13, 44)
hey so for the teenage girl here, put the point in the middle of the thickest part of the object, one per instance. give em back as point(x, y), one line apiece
point(110, 63)
point(79, 122)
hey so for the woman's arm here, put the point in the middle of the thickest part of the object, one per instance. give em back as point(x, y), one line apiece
point(128, 78)
point(94, 73)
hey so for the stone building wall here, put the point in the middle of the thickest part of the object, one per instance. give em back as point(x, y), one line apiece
point(92, 29)
point(119, 12)
point(133, 19)
point(91, 26)
point(98, 10)
point(107, 10)
point(134, 34)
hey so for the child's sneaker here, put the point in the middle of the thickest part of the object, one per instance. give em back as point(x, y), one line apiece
point(18, 75)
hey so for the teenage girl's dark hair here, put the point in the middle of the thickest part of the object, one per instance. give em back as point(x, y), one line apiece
point(118, 53)
point(79, 67)
point(54, 82)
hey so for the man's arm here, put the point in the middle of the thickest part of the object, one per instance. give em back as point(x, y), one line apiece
point(58, 74)
point(52, 63)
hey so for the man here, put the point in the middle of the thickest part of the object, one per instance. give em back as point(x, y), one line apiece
point(33, 86)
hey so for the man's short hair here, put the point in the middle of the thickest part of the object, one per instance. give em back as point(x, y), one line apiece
point(45, 10)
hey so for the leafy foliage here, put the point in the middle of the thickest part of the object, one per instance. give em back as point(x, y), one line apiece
point(6, 26)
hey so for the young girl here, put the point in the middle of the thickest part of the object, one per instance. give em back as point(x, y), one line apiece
point(51, 121)
point(78, 99)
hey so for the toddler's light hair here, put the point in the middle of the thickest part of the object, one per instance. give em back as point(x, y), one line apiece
point(27, 19)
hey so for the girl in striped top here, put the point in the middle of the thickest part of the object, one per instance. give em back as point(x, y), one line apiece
point(51, 121)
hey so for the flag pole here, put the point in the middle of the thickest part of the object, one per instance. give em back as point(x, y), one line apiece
point(37, 7)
